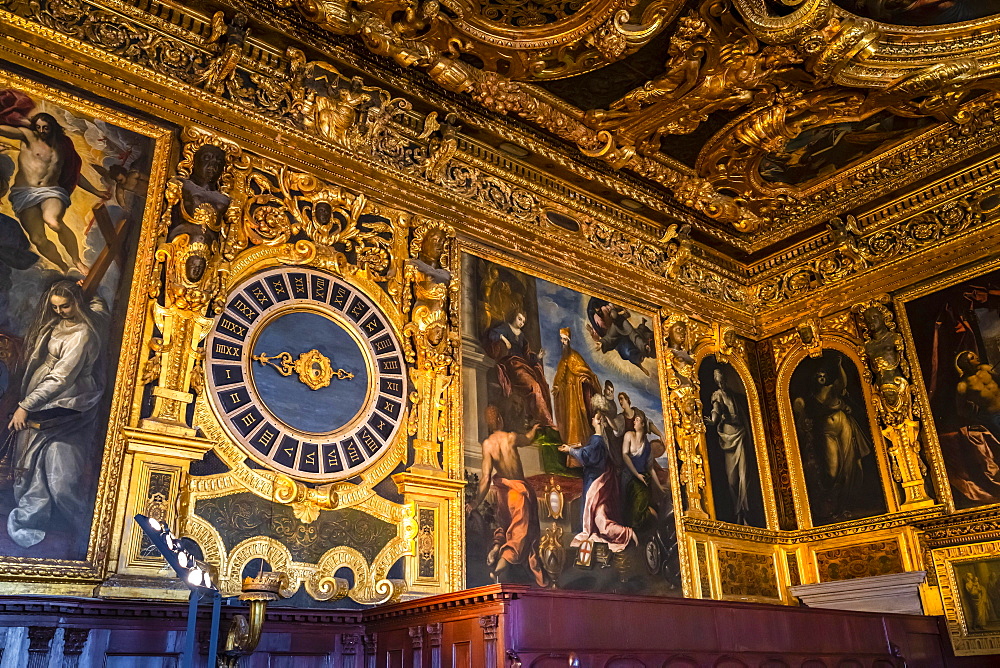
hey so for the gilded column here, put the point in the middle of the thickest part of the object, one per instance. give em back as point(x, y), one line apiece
point(685, 409)
point(888, 372)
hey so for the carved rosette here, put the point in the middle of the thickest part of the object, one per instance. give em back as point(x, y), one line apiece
point(684, 407)
point(889, 374)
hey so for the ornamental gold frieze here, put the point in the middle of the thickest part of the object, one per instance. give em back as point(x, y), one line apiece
point(961, 527)
point(316, 98)
point(855, 252)
point(920, 519)
point(891, 49)
point(891, 170)
point(502, 94)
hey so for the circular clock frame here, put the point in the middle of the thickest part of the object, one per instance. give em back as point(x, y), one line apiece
point(245, 385)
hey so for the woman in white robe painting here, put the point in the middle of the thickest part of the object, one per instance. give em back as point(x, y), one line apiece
point(55, 422)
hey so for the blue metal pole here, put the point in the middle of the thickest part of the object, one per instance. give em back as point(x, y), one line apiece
point(187, 661)
point(213, 643)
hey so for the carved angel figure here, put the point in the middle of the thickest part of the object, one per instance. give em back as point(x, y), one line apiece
point(442, 144)
point(336, 112)
point(222, 67)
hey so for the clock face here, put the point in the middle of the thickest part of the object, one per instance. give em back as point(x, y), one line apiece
point(306, 374)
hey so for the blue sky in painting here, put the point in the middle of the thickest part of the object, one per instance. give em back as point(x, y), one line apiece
point(560, 307)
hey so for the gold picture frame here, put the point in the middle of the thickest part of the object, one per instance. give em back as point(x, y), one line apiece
point(67, 575)
point(972, 618)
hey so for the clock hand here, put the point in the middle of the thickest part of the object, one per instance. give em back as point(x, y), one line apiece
point(313, 368)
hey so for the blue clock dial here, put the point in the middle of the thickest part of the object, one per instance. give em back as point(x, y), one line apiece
point(306, 374)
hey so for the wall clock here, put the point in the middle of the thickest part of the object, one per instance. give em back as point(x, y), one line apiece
point(306, 374)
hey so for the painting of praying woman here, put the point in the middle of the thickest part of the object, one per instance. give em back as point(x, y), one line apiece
point(729, 437)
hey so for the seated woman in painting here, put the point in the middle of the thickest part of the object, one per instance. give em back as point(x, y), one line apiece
point(55, 421)
point(519, 368)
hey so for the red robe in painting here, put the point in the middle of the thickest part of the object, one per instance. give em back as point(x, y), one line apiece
point(517, 510)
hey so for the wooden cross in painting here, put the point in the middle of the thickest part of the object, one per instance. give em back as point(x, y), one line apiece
point(114, 236)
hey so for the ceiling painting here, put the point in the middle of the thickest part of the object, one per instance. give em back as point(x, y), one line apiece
point(822, 152)
point(921, 12)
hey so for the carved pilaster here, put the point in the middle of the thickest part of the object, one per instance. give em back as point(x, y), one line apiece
point(156, 467)
point(417, 645)
point(490, 626)
point(370, 643)
point(39, 644)
point(74, 641)
point(435, 565)
point(434, 633)
point(685, 409)
point(349, 649)
point(430, 294)
point(191, 259)
point(889, 374)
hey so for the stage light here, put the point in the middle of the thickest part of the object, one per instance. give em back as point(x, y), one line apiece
point(170, 546)
point(195, 577)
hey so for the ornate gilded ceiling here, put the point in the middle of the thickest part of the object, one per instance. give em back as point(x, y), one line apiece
point(764, 118)
point(620, 124)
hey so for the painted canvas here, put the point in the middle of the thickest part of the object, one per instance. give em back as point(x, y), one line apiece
point(732, 457)
point(73, 189)
point(562, 403)
point(921, 12)
point(956, 335)
point(820, 152)
point(835, 439)
point(979, 592)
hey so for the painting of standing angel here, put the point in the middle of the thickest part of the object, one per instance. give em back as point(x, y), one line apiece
point(562, 397)
point(73, 189)
point(956, 335)
point(835, 439)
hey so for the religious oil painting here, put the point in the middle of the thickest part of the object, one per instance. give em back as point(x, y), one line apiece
point(969, 577)
point(921, 12)
point(979, 590)
point(562, 403)
point(956, 337)
point(820, 152)
point(836, 445)
point(729, 437)
point(73, 180)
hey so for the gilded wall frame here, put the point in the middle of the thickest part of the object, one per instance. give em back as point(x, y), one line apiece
point(795, 466)
point(124, 403)
point(932, 443)
point(475, 249)
point(971, 618)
